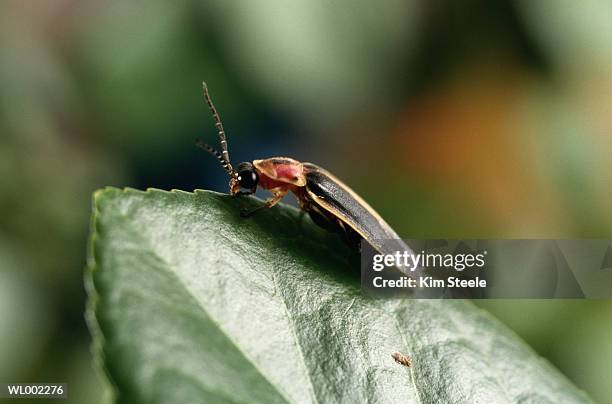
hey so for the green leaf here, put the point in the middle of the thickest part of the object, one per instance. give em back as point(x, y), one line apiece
point(189, 302)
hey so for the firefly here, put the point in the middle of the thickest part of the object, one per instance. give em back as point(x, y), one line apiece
point(329, 202)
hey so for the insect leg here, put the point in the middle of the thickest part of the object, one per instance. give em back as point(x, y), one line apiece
point(349, 236)
point(242, 193)
point(277, 195)
point(332, 224)
point(321, 220)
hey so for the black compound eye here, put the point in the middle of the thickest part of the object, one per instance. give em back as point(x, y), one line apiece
point(248, 179)
point(247, 176)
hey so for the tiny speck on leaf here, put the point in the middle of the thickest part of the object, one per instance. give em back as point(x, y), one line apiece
point(401, 359)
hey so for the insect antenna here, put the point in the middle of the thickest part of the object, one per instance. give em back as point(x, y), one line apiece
point(225, 164)
point(218, 125)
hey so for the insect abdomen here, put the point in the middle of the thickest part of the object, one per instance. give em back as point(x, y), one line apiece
point(333, 196)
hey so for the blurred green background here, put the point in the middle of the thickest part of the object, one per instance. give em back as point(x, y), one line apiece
point(467, 119)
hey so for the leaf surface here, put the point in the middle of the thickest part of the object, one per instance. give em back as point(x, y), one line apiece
point(189, 302)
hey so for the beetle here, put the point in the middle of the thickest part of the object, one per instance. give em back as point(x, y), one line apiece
point(329, 202)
